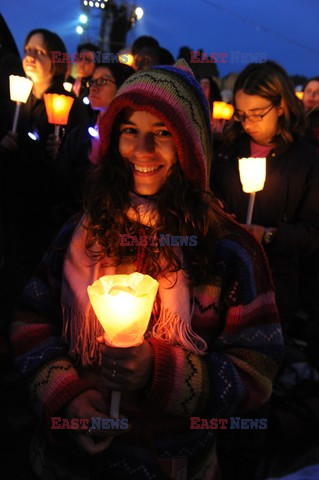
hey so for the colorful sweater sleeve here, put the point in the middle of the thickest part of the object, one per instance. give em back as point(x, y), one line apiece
point(244, 342)
point(40, 354)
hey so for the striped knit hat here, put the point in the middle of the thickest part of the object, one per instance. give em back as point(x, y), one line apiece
point(172, 94)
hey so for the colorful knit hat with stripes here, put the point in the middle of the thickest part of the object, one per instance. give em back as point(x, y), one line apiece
point(172, 94)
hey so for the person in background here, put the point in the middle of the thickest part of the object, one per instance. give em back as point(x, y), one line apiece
point(213, 343)
point(149, 47)
point(269, 121)
point(78, 154)
point(27, 193)
point(85, 66)
point(10, 64)
point(310, 101)
point(211, 90)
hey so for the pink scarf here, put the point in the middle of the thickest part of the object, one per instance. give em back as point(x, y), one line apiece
point(80, 325)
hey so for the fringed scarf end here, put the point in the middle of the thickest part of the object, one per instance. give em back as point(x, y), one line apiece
point(81, 332)
point(175, 331)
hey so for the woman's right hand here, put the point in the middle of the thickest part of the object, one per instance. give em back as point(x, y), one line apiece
point(86, 405)
point(10, 141)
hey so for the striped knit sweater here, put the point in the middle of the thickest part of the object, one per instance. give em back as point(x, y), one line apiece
point(235, 314)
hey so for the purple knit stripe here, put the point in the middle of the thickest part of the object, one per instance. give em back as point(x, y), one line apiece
point(25, 336)
point(162, 93)
point(65, 394)
point(58, 382)
point(262, 309)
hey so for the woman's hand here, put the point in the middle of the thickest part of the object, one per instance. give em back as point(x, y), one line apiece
point(10, 141)
point(256, 230)
point(53, 145)
point(86, 405)
point(126, 368)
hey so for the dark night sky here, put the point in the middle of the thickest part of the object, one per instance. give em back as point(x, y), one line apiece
point(281, 30)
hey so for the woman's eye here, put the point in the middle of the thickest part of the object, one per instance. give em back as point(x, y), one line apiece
point(163, 133)
point(128, 130)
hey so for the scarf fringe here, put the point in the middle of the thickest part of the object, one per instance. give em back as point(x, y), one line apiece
point(171, 328)
point(81, 332)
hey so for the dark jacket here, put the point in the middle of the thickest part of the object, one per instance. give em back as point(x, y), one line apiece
point(289, 201)
point(27, 196)
point(71, 170)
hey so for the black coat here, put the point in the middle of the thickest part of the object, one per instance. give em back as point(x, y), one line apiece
point(28, 189)
point(289, 202)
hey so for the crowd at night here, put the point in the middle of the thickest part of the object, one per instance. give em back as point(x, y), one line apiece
point(159, 262)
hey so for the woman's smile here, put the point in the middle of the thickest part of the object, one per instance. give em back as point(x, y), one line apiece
point(147, 144)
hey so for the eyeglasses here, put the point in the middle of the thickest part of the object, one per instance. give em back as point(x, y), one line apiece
point(99, 82)
point(242, 117)
point(34, 52)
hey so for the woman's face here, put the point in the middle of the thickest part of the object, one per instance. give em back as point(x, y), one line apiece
point(84, 64)
point(101, 95)
point(148, 146)
point(266, 128)
point(311, 95)
point(37, 62)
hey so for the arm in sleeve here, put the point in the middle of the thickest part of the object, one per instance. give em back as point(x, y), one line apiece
point(40, 353)
point(236, 373)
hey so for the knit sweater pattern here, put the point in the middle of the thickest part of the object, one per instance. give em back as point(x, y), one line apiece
point(235, 314)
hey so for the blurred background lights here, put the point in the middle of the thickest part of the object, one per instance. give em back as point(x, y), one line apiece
point(139, 12)
point(79, 29)
point(83, 18)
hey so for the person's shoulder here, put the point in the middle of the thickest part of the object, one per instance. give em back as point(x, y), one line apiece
point(302, 148)
point(244, 258)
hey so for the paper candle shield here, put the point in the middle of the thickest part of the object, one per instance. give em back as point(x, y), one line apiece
point(123, 304)
point(20, 88)
point(252, 173)
point(222, 111)
point(58, 108)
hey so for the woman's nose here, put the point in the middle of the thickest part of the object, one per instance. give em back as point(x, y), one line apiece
point(145, 143)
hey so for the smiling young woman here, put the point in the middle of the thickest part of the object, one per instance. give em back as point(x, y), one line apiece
point(199, 356)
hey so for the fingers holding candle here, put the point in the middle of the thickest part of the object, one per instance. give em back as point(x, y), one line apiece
point(126, 369)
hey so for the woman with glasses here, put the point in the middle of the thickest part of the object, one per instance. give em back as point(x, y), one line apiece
point(269, 122)
point(78, 154)
point(27, 198)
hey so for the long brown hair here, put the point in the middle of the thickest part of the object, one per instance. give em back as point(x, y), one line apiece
point(182, 210)
point(269, 80)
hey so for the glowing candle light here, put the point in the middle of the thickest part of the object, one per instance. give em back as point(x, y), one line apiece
point(252, 173)
point(123, 304)
point(20, 89)
point(58, 109)
point(222, 110)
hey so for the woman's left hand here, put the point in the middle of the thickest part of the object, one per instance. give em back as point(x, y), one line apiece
point(126, 368)
point(256, 230)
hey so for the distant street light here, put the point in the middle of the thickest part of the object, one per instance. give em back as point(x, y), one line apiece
point(83, 18)
point(79, 30)
point(139, 12)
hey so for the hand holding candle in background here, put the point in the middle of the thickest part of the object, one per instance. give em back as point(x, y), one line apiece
point(20, 89)
point(252, 173)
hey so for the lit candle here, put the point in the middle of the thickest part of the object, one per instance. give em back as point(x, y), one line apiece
point(222, 110)
point(252, 173)
point(58, 109)
point(123, 304)
point(20, 89)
